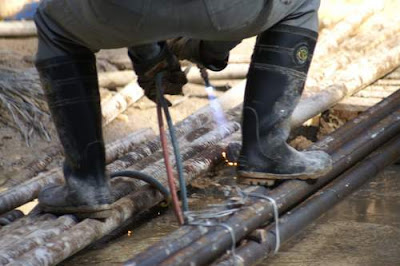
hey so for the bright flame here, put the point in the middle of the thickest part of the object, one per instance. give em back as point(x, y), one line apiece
point(218, 113)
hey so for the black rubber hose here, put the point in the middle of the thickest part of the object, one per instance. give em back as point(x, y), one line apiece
point(146, 178)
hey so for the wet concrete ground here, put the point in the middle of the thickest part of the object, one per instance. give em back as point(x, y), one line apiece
point(364, 229)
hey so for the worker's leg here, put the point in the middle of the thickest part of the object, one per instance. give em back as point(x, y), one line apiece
point(275, 82)
point(214, 54)
point(69, 78)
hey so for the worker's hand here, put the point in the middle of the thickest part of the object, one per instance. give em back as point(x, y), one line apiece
point(173, 77)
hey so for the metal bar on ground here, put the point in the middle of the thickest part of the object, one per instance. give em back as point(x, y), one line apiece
point(292, 223)
point(184, 236)
point(294, 191)
point(214, 244)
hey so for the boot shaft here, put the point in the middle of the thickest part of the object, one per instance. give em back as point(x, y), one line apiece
point(71, 87)
point(275, 81)
point(278, 70)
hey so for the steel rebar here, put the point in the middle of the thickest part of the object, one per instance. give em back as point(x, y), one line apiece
point(292, 223)
point(213, 244)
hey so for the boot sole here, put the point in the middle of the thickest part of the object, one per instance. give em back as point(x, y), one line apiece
point(268, 179)
point(257, 181)
point(93, 212)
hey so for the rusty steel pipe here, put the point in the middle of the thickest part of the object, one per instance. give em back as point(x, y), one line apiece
point(212, 245)
point(160, 251)
point(202, 252)
point(292, 223)
point(183, 237)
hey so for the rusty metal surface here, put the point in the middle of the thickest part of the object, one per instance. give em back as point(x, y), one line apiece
point(292, 223)
point(211, 245)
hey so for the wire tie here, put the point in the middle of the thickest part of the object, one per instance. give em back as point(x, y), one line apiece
point(276, 218)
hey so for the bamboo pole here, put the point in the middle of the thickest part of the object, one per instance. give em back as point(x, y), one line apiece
point(118, 148)
point(86, 232)
point(207, 141)
point(188, 165)
point(17, 29)
point(232, 71)
point(349, 81)
point(121, 78)
point(18, 195)
point(17, 242)
point(331, 38)
point(120, 102)
point(32, 169)
point(192, 168)
point(26, 221)
point(381, 88)
point(202, 120)
point(28, 190)
point(360, 46)
point(114, 151)
point(46, 231)
point(140, 158)
point(373, 94)
point(241, 58)
point(394, 75)
point(116, 79)
point(356, 104)
point(66, 244)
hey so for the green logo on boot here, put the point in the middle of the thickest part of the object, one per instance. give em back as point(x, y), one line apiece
point(302, 55)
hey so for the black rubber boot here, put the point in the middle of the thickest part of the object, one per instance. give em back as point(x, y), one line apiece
point(211, 55)
point(275, 82)
point(71, 87)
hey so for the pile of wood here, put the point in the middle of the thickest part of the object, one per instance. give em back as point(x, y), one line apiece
point(343, 66)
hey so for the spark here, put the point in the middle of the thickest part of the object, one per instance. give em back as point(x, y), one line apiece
point(227, 162)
